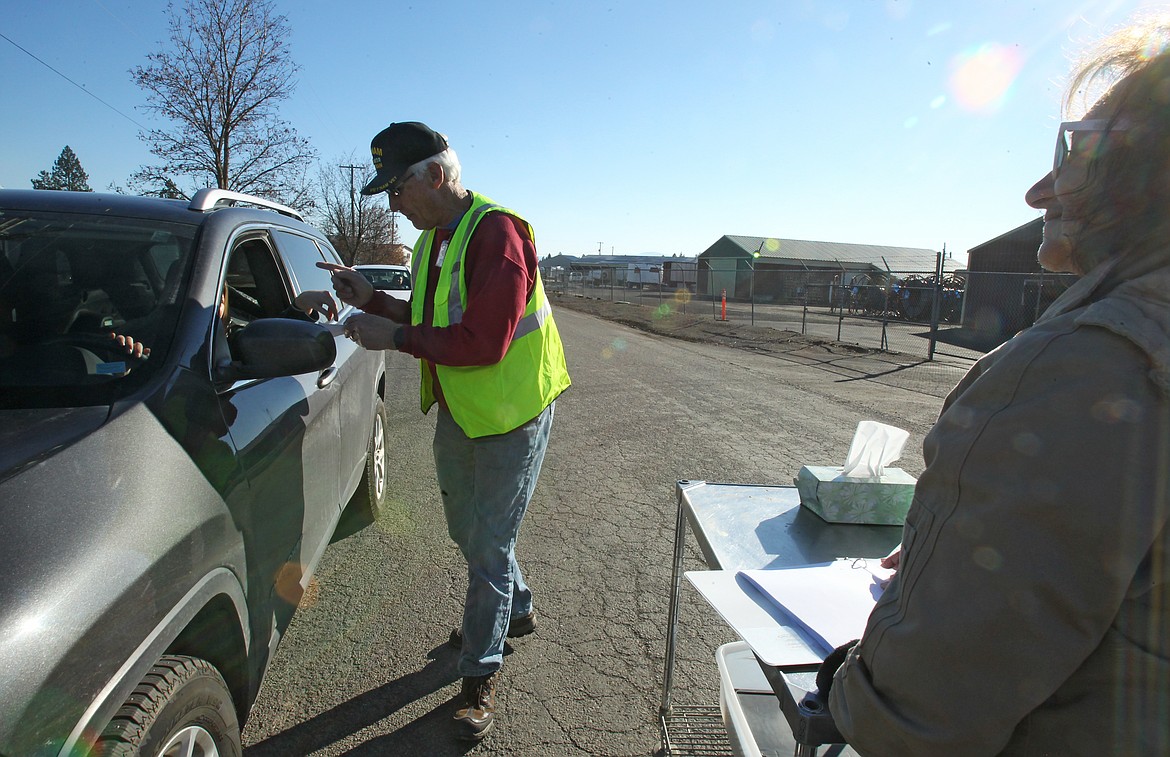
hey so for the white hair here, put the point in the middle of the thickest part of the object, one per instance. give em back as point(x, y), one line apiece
point(447, 160)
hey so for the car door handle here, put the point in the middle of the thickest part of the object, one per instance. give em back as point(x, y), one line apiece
point(326, 377)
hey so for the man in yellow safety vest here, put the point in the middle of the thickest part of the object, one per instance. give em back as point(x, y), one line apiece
point(491, 359)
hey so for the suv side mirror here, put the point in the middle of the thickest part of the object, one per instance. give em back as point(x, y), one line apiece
point(270, 347)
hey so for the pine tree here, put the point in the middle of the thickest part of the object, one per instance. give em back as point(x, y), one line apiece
point(67, 174)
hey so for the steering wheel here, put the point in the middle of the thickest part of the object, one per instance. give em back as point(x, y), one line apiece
point(101, 344)
point(242, 301)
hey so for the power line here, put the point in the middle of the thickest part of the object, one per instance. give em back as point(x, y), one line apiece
point(66, 78)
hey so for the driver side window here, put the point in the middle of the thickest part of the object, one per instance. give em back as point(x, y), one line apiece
point(254, 287)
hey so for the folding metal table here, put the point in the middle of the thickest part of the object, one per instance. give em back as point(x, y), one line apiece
point(746, 527)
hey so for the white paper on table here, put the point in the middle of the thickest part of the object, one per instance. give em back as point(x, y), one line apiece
point(831, 601)
point(772, 634)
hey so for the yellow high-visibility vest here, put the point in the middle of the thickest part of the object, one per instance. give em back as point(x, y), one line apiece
point(488, 399)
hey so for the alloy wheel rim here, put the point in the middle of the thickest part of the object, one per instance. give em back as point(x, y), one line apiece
point(192, 741)
point(379, 458)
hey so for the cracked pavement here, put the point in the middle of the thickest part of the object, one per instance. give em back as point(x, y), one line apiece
point(364, 668)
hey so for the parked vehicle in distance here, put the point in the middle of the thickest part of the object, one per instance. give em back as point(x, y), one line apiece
point(394, 280)
point(643, 275)
point(680, 274)
point(161, 517)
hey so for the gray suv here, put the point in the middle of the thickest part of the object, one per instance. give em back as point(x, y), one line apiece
point(161, 515)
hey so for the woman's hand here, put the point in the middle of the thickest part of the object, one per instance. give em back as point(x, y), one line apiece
point(133, 348)
point(894, 559)
point(318, 300)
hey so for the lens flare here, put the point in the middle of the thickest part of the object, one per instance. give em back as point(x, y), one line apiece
point(288, 583)
point(611, 350)
point(29, 626)
point(981, 78)
point(1151, 41)
point(897, 10)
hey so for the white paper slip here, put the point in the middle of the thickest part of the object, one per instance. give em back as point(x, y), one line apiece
point(831, 601)
point(767, 629)
point(336, 329)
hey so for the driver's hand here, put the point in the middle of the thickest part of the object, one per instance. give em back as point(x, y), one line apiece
point(130, 346)
point(352, 288)
point(318, 300)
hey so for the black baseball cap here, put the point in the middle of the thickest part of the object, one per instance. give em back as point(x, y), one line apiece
point(397, 148)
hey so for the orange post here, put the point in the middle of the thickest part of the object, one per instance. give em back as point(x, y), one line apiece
point(723, 309)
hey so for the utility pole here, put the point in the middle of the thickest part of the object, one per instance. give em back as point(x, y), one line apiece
point(352, 223)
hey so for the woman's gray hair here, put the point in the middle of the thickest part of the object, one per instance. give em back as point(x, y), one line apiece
point(1114, 58)
point(1130, 71)
point(447, 160)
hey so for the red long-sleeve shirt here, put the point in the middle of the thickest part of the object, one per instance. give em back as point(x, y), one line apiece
point(500, 270)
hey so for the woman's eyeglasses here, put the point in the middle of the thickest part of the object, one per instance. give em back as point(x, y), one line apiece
point(1064, 137)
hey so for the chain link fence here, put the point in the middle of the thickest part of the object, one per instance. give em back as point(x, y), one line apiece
point(947, 321)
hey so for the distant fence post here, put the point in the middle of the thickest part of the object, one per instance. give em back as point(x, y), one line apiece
point(752, 289)
point(936, 305)
point(1039, 297)
point(886, 304)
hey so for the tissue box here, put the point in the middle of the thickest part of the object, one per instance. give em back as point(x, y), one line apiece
point(856, 500)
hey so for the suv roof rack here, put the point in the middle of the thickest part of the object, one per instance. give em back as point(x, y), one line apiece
point(213, 197)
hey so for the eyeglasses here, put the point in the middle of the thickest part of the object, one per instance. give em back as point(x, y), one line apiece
point(396, 190)
point(1064, 142)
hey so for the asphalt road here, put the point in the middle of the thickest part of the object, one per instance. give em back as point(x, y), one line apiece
point(364, 669)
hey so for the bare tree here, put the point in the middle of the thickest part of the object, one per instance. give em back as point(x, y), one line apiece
point(67, 174)
point(219, 87)
point(363, 228)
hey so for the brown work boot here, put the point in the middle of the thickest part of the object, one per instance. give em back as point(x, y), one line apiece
point(477, 707)
point(519, 626)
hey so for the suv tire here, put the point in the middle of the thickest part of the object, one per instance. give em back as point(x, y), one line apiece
point(371, 493)
point(366, 503)
point(182, 700)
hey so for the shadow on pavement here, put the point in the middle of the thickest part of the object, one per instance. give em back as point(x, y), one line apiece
point(431, 735)
point(431, 731)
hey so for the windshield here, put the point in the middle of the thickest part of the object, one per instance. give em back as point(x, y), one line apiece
point(69, 285)
point(387, 278)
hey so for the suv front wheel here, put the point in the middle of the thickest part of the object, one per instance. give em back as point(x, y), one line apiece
point(371, 494)
point(181, 707)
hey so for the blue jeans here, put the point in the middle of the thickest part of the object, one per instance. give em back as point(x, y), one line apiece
point(486, 485)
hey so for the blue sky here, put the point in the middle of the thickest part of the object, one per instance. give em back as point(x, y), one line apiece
point(627, 127)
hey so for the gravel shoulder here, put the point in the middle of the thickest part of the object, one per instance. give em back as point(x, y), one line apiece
point(839, 360)
point(665, 320)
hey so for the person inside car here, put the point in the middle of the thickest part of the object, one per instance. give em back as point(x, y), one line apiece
point(306, 305)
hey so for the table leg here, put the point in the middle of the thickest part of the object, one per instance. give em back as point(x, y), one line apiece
point(675, 590)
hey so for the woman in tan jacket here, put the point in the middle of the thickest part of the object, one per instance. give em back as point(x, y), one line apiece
point(1030, 614)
